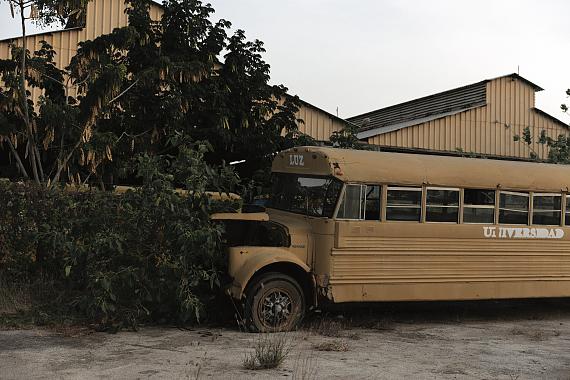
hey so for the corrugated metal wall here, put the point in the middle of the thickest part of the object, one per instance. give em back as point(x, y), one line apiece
point(102, 17)
point(105, 15)
point(487, 130)
point(318, 124)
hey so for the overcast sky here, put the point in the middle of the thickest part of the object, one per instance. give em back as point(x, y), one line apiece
point(363, 55)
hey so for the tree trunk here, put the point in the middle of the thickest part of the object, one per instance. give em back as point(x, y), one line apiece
point(17, 158)
point(33, 160)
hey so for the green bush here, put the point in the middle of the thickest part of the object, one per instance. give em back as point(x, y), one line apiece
point(119, 260)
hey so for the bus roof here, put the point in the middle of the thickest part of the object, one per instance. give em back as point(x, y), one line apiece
point(416, 169)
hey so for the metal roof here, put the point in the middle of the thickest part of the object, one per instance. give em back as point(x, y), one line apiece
point(454, 100)
point(427, 108)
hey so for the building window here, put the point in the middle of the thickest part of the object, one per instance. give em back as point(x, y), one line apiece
point(351, 206)
point(442, 205)
point(404, 204)
point(546, 209)
point(478, 206)
point(513, 208)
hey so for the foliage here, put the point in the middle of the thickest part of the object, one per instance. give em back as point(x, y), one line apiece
point(141, 86)
point(119, 260)
point(50, 11)
point(347, 138)
point(559, 148)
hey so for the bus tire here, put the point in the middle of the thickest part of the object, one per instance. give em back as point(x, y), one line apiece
point(274, 302)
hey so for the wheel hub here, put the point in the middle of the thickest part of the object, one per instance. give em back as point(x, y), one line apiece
point(276, 308)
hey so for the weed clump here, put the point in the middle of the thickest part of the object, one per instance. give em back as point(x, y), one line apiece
point(269, 351)
point(334, 346)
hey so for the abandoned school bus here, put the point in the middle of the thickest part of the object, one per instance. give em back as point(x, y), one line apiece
point(348, 226)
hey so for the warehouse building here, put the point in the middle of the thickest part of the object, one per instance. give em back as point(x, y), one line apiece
point(102, 16)
point(480, 119)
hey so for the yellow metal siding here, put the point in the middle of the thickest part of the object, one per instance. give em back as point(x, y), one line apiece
point(380, 261)
point(102, 17)
point(105, 15)
point(488, 129)
point(318, 124)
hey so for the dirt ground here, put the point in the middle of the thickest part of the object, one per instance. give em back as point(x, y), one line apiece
point(476, 340)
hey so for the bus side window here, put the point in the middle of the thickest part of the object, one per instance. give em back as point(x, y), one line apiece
point(442, 205)
point(513, 207)
point(546, 209)
point(351, 206)
point(372, 210)
point(478, 206)
point(567, 214)
point(404, 204)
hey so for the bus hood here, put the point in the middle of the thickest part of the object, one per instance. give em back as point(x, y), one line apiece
point(295, 223)
point(249, 216)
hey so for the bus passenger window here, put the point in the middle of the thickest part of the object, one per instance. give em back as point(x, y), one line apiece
point(513, 208)
point(478, 206)
point(372, 210)
point(404, 204)
point(546, 209)
point(567, 216)
point(351, 206)
point(442, 205)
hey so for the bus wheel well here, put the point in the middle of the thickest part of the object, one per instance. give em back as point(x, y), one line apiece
point(303, 278)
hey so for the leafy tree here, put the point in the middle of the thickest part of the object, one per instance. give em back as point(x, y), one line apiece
point(558, 149)
point(17, 100)
point(176, 84)
point(347, 138)
point(145, 84)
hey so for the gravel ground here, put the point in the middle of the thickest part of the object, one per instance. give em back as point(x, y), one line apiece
point(523, 340)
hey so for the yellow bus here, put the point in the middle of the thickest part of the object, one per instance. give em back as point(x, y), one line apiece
point(349, 226)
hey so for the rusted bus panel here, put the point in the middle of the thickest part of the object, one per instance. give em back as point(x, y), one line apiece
point(375, 261)
point(448, 291)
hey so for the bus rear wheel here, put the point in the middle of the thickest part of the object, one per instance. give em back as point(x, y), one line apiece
point(274, 302)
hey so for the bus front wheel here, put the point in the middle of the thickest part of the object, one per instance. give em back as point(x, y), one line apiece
point(274, 302)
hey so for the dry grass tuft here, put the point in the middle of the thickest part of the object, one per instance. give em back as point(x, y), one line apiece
point(517, 331)
point(269, 351)
point(334, 346)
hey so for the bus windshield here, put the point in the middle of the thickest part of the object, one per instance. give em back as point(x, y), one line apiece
point(314, 196)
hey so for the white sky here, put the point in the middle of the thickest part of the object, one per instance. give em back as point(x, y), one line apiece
point(362, 55)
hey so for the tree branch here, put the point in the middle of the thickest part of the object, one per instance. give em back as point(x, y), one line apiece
point(17, 158)
point(124, 92)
